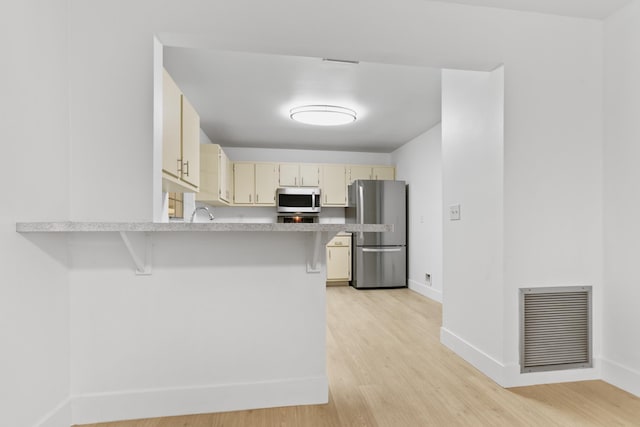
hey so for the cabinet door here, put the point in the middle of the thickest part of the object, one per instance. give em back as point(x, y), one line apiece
point(309, 175)
point(334, 189)
point(359, 172)
point(338, 263)
point(229, 189)
point(243, 183)
point(266, 184)
point(190, 143)
point(288, 175)
point(384, 172)
point(171, 123)
point(223, 176)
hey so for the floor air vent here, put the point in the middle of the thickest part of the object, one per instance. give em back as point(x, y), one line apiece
point(555, 328)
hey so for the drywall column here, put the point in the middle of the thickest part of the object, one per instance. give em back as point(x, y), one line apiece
point(472, 164)
point(621, 352)
point(34, 289)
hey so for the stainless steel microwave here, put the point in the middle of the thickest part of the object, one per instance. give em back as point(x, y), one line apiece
point(298, 199)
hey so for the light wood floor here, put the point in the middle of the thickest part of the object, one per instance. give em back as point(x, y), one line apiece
point(387, 367)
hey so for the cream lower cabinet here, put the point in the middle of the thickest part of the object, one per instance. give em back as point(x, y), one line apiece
point(339, 258)
point(334, 185)
point(254, 184)
point(215, 183)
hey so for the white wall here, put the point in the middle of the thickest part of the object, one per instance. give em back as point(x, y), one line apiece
point(621, 350)
point(34, 293)
point(226, 321)
point(419, 163)
point(306, 156)
point(472, 177)
point(552, 144)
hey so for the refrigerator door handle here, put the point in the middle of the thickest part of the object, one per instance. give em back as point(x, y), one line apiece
point(361, 207)
point(381, 249)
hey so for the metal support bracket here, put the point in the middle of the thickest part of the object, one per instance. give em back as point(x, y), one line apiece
point(313, 265)
point(143, 264)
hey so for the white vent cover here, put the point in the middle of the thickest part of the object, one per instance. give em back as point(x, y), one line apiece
point(555, 328)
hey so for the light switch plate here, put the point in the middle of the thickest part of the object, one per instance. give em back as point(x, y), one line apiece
point(454, 212)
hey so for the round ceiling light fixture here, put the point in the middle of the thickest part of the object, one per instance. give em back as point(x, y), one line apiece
point(323, 115)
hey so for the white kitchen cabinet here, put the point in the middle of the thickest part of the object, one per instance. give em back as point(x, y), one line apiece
point(339, 258)
point(265, 184)
point(298, 175)
point(383, 173)
point(334, 185)
point(215, 185)
point(243, 183)
point(180, 140)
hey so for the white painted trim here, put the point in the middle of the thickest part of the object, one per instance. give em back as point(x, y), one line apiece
point(60, 416)
point(621, 376)
point(424, 290)
point(476, 357)
point(103, 407)
point(510, 375)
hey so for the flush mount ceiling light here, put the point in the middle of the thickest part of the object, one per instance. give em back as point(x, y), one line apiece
point(323, 115)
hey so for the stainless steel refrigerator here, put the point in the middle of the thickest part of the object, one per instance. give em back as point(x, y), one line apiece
point(379, 259)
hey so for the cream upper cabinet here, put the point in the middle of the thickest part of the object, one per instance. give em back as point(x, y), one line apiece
point(339, 259)
point(359, 172)
point(190, 143)
point(383, 172)
point(243, 183)
point(254, 184)
point(298, 175)
point(334, 185)
point(265, 184)
point(309, 175)
point(171, 127)
point(180, 140)
point(288, 174)
point(215, 185)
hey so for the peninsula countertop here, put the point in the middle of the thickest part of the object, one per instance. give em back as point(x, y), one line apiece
point(73, 226)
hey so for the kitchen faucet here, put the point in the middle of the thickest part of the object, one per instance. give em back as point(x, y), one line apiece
point(193, 215)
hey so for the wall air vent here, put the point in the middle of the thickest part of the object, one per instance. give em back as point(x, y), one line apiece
point(555, 328)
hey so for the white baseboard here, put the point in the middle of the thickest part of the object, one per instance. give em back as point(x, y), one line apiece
point(103, 407)
point(480, 360)
point(621, 376)
point(425, 290)
point(509, 375)
point(60, 416)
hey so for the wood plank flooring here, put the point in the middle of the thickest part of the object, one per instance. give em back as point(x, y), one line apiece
point(386, 367)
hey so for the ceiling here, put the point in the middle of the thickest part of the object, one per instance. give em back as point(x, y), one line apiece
point(244, 99)
point(594, 9)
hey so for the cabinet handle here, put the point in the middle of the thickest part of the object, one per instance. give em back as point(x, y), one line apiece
point(295, 181)
point(257, 198)
point(329, 253)
point(187, 166)
point(325, 197)
point(302, 181)
point(249, 198)
point(179, 166)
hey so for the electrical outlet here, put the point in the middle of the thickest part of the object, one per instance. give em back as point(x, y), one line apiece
point(427, 279)
point(454, 212)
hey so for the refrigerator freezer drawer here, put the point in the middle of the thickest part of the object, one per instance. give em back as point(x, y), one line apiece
point(380, 267)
